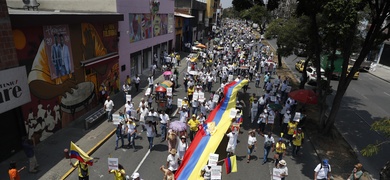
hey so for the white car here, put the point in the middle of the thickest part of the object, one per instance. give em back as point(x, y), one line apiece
point(312, 74)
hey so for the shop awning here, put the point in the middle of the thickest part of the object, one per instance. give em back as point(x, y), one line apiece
point(99, 59)
point(184, 15)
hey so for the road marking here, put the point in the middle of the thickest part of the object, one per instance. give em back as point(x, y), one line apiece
point(359, 93)
point(386, 93)
point(142, 161)
point(174, 114)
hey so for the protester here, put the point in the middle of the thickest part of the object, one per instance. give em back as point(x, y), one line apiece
point(322, 170)
point(13, 172)
point(173, 161)
point(83, 172)
point(268, 145)
point(252, 142)
point(28, 147)
point(119, 174)
point(356, 173)
point(282, 166)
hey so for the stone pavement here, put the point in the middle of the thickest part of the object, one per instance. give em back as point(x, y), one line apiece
point(50, 153)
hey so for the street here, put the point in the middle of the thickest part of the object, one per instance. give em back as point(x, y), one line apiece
point(365, 101)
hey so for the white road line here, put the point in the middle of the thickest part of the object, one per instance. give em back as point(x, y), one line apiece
point(359, 93)
point(386, 93)
point(142, 161)
point(174, 114)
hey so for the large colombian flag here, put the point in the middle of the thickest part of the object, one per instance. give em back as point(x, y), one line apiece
point(79, 154)
point(197, 155)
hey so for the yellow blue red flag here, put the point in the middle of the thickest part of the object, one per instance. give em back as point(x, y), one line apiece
point(79, 154)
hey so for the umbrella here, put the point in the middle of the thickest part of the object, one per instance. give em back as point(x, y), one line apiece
point(194, 73)
point(160, 89)
point(167, 73)
point(275, 106)
point(200, 45)
point(178, 126)
point(166, 84)
point(305, 96)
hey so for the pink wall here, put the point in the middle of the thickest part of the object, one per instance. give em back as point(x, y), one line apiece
point(125, 47)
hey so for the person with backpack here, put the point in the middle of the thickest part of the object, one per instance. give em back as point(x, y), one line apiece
point(357, 172)
point(268, 144)
point(322, 171)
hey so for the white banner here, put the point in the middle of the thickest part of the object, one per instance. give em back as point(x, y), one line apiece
point(179, 102)
point(276, 174)
point(14, 90)
point(128, 97)
point(215, 98)
point(169, 91)
point(216, 172)
point(113, 163)
point(213, 159)
point(201, 97)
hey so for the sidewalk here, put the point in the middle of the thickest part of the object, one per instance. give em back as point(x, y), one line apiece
point(382, 72)
point(49, 153)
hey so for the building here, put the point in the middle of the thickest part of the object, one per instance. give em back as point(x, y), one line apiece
point(182, 30)
point(67, 57)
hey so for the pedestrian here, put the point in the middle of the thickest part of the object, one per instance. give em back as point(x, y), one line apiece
point(137, 80)
point(183, 115)
point(150, 133)
point(143, 111)
point(154, 116)
point(291, 129)
point(120, 173)
point(136, 176)
point(357, 172)
point(297, 142)
point(151, 82)
point(83, 172)
point(262, 121)
point(119, 135)
point(280, 148)
point(282, 166)
point(28, 147)
point(108, 107)
point(322, 170)
point(172, 139)
point(13, 172)
point(190, 92)
point(182, 147)
point(252, 142)
point(193, 124)
point(206, 172)
point(286, 120)
point(232, 143)
point(168, 175)
point(164, 121)
point(268, 145)
point(173, 161)
point(131, 133)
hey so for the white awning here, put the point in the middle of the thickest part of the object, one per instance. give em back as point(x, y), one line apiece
point(183, 15)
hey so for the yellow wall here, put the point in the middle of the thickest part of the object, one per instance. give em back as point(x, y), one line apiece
point(210, 8)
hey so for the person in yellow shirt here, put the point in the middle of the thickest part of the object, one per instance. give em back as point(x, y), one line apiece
point(190, 92)
point(193, 123)
point(185, 103)
point(291, 128)
point(252, 99)
point(280, 149)
point(297, 141)
point(119, 173)
point(83, 170)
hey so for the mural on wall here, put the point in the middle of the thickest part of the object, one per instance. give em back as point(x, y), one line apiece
point(146, 25)
point(156, 25)
point(57, 42)
point(135, 27)
point(55, 102)
point(171, 23)
point(164, 24)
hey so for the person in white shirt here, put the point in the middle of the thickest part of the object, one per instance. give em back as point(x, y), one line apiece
point(252, 142)
point(108, 107)
point(182, 147)
point(232, 143)
point(269, 142)
point(254, 109)
point(131, 133)
point(195, 105)
point(143, 111)
point(322, 171)
point(173, 161)
point(153, 116)
point(150, 133)
point(151, 82)
point(282, 166)
point(164, 121)
point(126, 88)
point(143, 103)
point(184, 115)
point(128, 108)
point(137, 80)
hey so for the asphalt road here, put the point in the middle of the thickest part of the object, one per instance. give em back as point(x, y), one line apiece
point(147, 163)
point(365, 101)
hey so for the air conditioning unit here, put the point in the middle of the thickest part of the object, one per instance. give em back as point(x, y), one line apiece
point(31, 4)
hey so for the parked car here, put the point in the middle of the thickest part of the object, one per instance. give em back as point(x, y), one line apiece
point(312, 75)
point(301, 64)
point(356, 75)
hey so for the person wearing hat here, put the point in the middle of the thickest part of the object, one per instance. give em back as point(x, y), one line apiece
point(182, 147)
point(282, 166)
point(119, 173)
point(292, 126)
point(297, 142)
point(280, 148)
point(193, 124)
point(357, 172)
point(168, 175)
point(173, 160)
point(322, 170)
point(185, 103)
point(136, 176)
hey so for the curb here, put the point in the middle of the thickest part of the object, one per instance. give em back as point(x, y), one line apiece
point(379, 77)
point(92, 150)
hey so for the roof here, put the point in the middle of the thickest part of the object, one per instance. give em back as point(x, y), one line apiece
point(183, 15)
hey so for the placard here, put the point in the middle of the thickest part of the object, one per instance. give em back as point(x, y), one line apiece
point(148, 91)
point(116, 119)
point(233, 112)
point(276, 174)
point(128, 97)
point(113, 163)
point(230, 78)
point(213, 159)
point(215, 98)
point(201, 97)
point(195, 96)
point(169, 91)
point(288, 89)
point(216, 172)
point(179, 102)
point(297, 117)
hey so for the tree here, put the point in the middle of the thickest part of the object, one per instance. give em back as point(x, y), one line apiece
point(382, 126)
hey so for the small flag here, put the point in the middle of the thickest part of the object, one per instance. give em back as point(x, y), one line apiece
point(79, 154)
point(231, 164)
